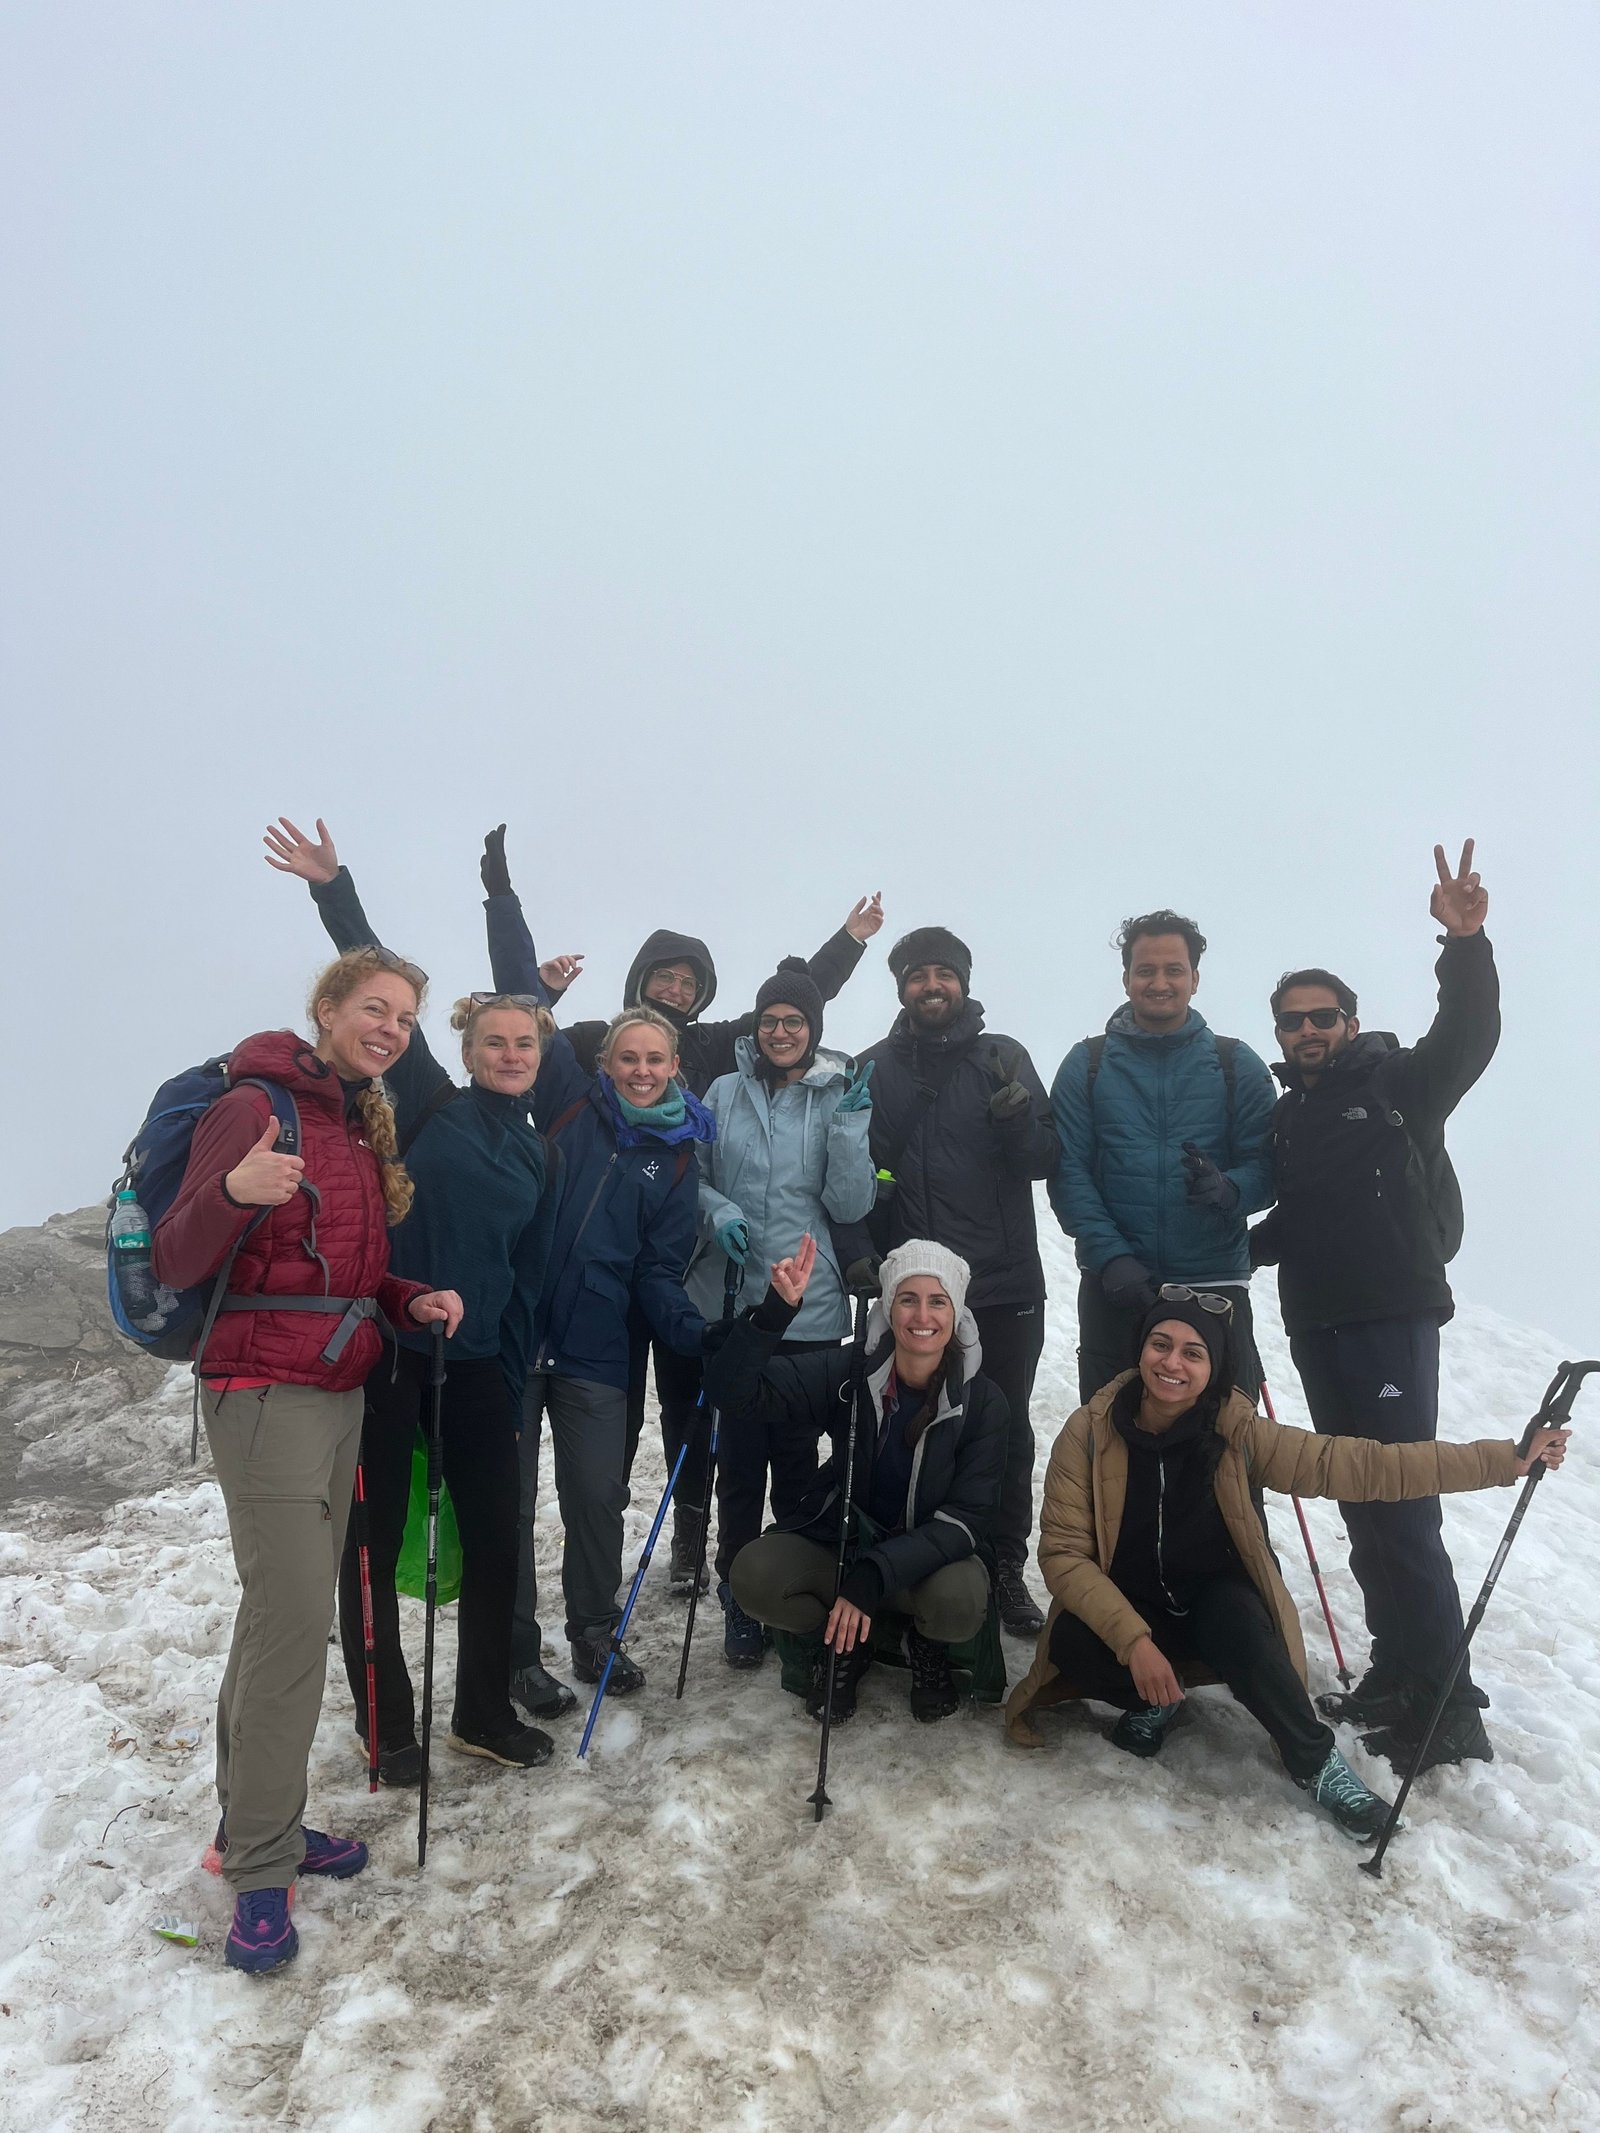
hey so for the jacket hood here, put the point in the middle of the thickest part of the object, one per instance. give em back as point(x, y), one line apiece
point(284, 1056)
point(1122, 1024)
point(827, 1069)
point(665, 946)
point(1368, 1050)
point(964, 1030)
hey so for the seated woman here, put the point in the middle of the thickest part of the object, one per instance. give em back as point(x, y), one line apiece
point(790, 1157)
point(482, 1215)
point(1156, 1560)
point(930, 1450)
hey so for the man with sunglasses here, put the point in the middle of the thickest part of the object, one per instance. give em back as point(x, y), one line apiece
point(1368, 1215)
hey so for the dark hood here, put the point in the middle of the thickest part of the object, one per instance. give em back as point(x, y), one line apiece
point(964, 1030)
point(1369, 1050)
point(665, 946)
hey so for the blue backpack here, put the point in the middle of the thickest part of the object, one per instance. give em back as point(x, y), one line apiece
point(180, 1320)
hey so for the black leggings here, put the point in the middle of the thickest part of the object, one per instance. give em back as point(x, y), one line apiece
point(478, 1437)
point(743, 1458)
point(1229, 1631)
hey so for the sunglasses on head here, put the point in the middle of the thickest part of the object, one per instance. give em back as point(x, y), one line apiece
point(791, 1025)
point(386, 959)
point(1173, 1292)
point(524, 1000)
point(1290, 1019)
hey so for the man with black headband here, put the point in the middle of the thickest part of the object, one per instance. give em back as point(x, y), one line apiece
point(1368, 1216)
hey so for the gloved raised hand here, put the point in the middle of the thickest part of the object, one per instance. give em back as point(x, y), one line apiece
point(733, 1235)
point(1009, 1101)
point(859, 1094)
point(1126, 1285)
point(1208, 1186)
point(492, 868)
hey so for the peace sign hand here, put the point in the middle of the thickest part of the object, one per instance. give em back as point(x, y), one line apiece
point(291, 851)
point(790, 1276)
point(1460, 902)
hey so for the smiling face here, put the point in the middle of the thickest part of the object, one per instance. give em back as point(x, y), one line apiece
point(922, 1319)
point(1305, 1046)
point(672, 985)
point(641, 1061)
point(363, 1034)
point(1160, 980)
point(503, 1051)
point(783, 1034)
point(932, 993)
point(1175, 1365)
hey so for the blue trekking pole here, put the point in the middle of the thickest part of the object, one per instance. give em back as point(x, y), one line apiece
point(621, 1630)
point(732, 1276)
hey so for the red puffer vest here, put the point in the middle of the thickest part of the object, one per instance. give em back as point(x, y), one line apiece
point(277, 1259)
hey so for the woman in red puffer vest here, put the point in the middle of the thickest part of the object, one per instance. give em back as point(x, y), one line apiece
point(282, 1395)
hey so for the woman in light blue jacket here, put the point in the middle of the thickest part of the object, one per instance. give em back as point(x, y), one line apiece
point(790, 1157)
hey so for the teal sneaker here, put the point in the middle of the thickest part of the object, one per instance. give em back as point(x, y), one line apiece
point(1145, 1732)
point(1359, 1812)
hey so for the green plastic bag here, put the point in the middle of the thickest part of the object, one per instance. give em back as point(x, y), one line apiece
point(411, 1572)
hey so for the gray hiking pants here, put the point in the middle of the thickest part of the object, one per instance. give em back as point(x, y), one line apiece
point(589, 1427)
point(787, 1582)
point(285, 1456)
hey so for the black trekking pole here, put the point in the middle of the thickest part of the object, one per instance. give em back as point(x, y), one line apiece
point(730, 1297)
point(614, 1641)
point(1555, 1411)
point(819, 1799)
point(436, 1380)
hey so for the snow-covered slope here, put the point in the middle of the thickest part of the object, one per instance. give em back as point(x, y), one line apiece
point(976, 1938)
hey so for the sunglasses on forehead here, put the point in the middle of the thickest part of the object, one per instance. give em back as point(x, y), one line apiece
point(1173, 1292)
point(1289, 1020)
point(524, 1000)
point(386, 959)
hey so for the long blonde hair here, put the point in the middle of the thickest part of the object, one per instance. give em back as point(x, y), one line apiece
point(334, 986)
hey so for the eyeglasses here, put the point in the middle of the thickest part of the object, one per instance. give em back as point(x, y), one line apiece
point(524, 1000)
point(791, 1025)
point(1173, 1292)
point(1288, 1021)
point(386, 959)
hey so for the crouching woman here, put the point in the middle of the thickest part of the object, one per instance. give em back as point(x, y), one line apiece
point(930, 1451)
point(1158, 1565)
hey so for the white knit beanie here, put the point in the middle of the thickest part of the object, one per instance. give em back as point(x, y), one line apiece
point(920, 1255)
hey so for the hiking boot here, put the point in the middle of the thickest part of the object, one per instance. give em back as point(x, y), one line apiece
point(1376, 1700)
point(262, 1936)
point(1144, 1732)
point(589, 1655)
point(1358, 1812)
point(846, 1680)
point(336, 1857)
point(686, 1573)
point(399, 1766)
point(934, 1693)
point(1459, 1737)
point(518, 1747)
point(1019, 1617)
point(744, 1642)
point(540, 1694)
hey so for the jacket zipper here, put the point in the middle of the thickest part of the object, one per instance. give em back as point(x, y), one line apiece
point(1161, 1535)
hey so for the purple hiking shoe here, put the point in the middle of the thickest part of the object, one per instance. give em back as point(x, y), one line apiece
point(336, 1857)
point(262, 1936)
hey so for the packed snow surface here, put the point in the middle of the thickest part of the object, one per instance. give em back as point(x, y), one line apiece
point(975, 1938)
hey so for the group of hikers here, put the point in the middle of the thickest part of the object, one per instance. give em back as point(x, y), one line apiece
point(713, 1197)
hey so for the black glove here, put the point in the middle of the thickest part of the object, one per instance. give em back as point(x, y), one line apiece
point(1208, 1186)
point(1009, 1101)
point(492, 866)
point(861, 1275)
point(1126, 1285)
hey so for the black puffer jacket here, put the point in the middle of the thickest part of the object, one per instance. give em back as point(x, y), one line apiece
point(1359, 1159)
point(796, 1401)
point(961, 1176)
point(705, 1049)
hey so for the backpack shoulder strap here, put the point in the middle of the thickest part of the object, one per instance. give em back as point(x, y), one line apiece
point(284, 1109)
point(1228, 1060)
point(559, 1125)
point(685, 1158)
point(445, 1093)
point(1097, 1052)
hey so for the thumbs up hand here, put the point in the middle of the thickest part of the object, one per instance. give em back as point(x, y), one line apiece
point(263, 1178)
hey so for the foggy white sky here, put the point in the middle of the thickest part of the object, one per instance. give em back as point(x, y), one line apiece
point(1039, 461)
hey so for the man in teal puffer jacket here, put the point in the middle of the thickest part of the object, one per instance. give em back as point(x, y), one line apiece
point(1163, 1130)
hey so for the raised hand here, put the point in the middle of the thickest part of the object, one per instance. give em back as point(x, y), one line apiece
point(492, 868)
point(1460, 902)
point(560, 972)
point(866, 917)
point(262, 1178)
point(291, 851)
point(790, 1276)
point(858, 1096)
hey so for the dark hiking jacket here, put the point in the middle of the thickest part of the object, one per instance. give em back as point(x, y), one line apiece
point(1368, 1209)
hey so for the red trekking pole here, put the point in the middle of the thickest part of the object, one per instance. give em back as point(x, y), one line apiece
point(1311, 1557)
point(368, 1637)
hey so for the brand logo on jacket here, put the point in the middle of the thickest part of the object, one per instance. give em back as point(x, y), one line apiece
point(650, 1169)
point(1355, 1111)
point(1391, 1392)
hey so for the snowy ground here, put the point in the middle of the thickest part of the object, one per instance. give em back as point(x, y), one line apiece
point(976, 1938)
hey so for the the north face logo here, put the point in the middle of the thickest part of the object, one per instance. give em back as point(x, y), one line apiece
point(1391, 1392)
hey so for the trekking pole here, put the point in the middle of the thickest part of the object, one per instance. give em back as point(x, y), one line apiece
point(369, 1640)
point(1555, 1411)
point(819, 1799)
point(730, 1297)
point(614, 1640)
point(1339, 1666)
point(436, 1380)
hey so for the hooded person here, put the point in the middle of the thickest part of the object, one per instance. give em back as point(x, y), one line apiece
point(961, 1126)
point(930, 1450)
point(1158, 1566)
point(791, 1158)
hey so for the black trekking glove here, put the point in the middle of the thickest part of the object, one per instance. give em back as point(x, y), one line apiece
point(492, 866)
point(1126, 1285)
point(1009, 1101)
point(861, 1275)
point(1208, 1186)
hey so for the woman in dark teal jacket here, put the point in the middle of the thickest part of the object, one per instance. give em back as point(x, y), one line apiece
point(485, 1207)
